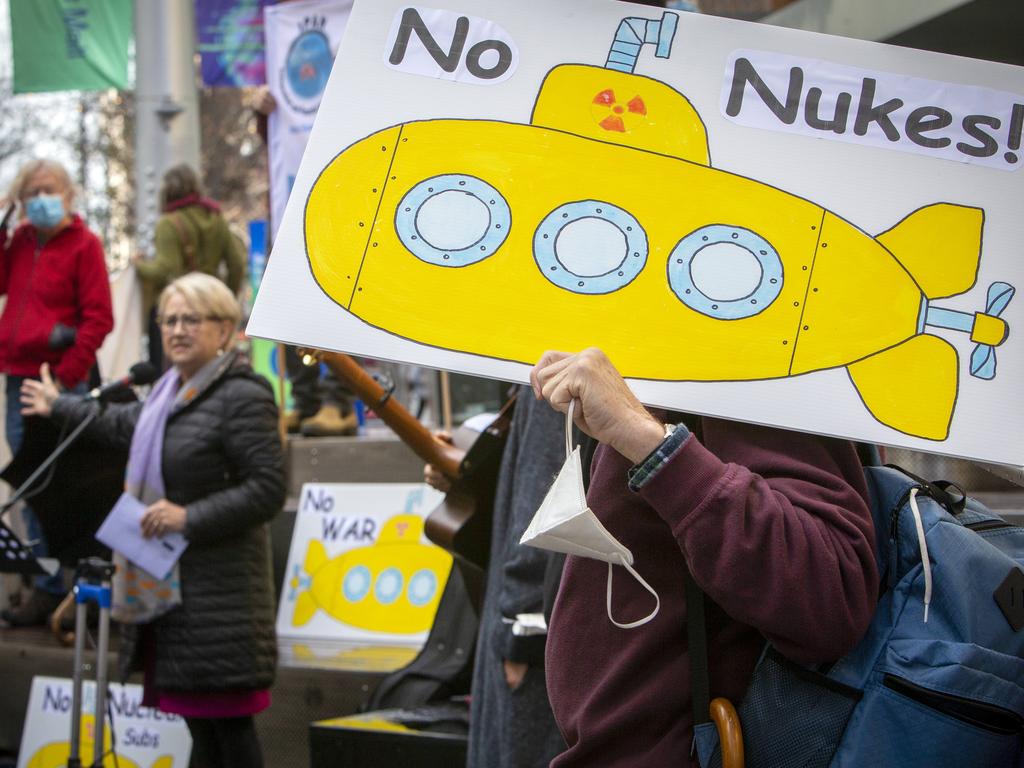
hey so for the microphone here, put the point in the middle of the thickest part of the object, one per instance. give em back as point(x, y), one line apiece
point(138, 374)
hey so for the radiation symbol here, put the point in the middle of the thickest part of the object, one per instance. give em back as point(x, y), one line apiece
point(613, 115)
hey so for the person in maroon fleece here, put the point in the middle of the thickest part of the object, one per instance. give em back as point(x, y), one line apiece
point(776, 529)
point(58, 311)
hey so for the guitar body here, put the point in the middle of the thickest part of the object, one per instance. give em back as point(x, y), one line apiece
point(461, 523)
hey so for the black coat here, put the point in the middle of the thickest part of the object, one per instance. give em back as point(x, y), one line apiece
point(222, 461)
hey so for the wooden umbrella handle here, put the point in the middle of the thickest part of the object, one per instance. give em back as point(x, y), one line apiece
point(730, 733)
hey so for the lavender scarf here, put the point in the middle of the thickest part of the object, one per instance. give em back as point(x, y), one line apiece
point(138, 596)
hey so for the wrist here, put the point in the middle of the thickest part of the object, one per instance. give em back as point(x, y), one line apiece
point(642, 438)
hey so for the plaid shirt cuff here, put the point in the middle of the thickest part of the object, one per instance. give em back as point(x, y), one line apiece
point(641, 474)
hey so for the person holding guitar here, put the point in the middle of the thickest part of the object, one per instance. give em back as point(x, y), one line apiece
point(510, 724)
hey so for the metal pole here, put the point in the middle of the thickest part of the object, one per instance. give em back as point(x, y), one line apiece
point(166, 103)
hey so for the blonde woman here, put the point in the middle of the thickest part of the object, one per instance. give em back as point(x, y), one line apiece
point(205, 459)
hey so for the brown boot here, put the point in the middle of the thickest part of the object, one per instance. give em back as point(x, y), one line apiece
point(329, 422)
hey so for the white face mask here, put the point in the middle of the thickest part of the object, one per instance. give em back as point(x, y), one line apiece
point(565, 524)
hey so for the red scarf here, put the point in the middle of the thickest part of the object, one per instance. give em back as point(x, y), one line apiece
point(193, 199)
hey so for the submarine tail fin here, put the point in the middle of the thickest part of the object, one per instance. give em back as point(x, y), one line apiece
point(940, 246)
point(316, 556)
point(911, 387)
point(305, 607)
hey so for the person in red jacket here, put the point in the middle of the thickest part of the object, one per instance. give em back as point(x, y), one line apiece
point(58, 311)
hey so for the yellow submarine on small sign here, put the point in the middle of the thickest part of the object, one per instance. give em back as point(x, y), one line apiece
point(58, 754)
point(392, 585)
point(602, 223)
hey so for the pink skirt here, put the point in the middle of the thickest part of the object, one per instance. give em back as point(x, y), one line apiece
point(195, 703)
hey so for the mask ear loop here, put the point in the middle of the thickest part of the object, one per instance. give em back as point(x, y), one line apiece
point(580, 491)
point(623, 563)
point(638, 577)
point(568, 428)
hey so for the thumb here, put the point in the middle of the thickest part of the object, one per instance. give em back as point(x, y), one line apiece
point(44, 374)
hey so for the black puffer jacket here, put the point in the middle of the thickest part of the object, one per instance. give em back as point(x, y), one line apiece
point(222, 461)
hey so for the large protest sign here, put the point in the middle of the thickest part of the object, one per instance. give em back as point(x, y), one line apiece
point(135, 736)
point(764, 224)
point(360, 570)
point(302, 39)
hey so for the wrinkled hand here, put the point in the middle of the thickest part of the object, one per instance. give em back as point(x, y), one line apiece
point(37, 396)
point(515, 673)
point(606, 408)
point(434, 477)
point(162, 518)
point(263, 101)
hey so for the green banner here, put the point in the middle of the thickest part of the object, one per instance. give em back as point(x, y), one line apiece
point(70, 45)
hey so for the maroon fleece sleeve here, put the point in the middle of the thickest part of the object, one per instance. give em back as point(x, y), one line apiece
point(776, 528)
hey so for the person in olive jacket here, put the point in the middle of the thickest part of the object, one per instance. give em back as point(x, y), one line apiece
point(205, 458)
point(191, 235)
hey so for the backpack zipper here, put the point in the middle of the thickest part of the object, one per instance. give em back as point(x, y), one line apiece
point(989, 525)
point(980, 714)
point(978, 527)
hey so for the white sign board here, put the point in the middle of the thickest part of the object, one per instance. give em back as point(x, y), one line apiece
point(758, 223)
point(360, 570)
point(302, 40)
point(145, 737)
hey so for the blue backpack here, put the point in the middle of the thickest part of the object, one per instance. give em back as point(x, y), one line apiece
point(946, 692)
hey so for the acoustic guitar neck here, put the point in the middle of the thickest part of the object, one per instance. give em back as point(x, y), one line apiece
point(408, 428)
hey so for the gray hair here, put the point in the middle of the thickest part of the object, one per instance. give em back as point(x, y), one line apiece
point(29, 169)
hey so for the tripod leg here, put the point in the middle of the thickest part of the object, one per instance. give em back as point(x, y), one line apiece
point(74, 756)
point(101, 682)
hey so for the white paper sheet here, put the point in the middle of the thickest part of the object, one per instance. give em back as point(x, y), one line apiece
point(122, 532)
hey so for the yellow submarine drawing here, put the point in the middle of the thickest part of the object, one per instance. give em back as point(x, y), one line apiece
point(56, 754)
point(602, 220)
point(392, 585)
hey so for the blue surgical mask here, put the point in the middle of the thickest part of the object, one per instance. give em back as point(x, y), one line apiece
point(45, 211)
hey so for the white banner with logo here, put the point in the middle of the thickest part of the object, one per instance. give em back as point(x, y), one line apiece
point(140, 736)
point(302, 40)
point(756, 223)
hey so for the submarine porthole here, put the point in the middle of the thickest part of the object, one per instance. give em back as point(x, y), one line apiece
point(389, 586)
point(452, 220)
point(422, 587)
point(356, 583)
point(585, 247)
point(725, 272)
point(590, 247)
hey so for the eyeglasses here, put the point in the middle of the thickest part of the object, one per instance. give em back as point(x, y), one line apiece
point(188, 322)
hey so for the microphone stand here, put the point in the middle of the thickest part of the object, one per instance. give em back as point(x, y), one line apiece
point(93, 579)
